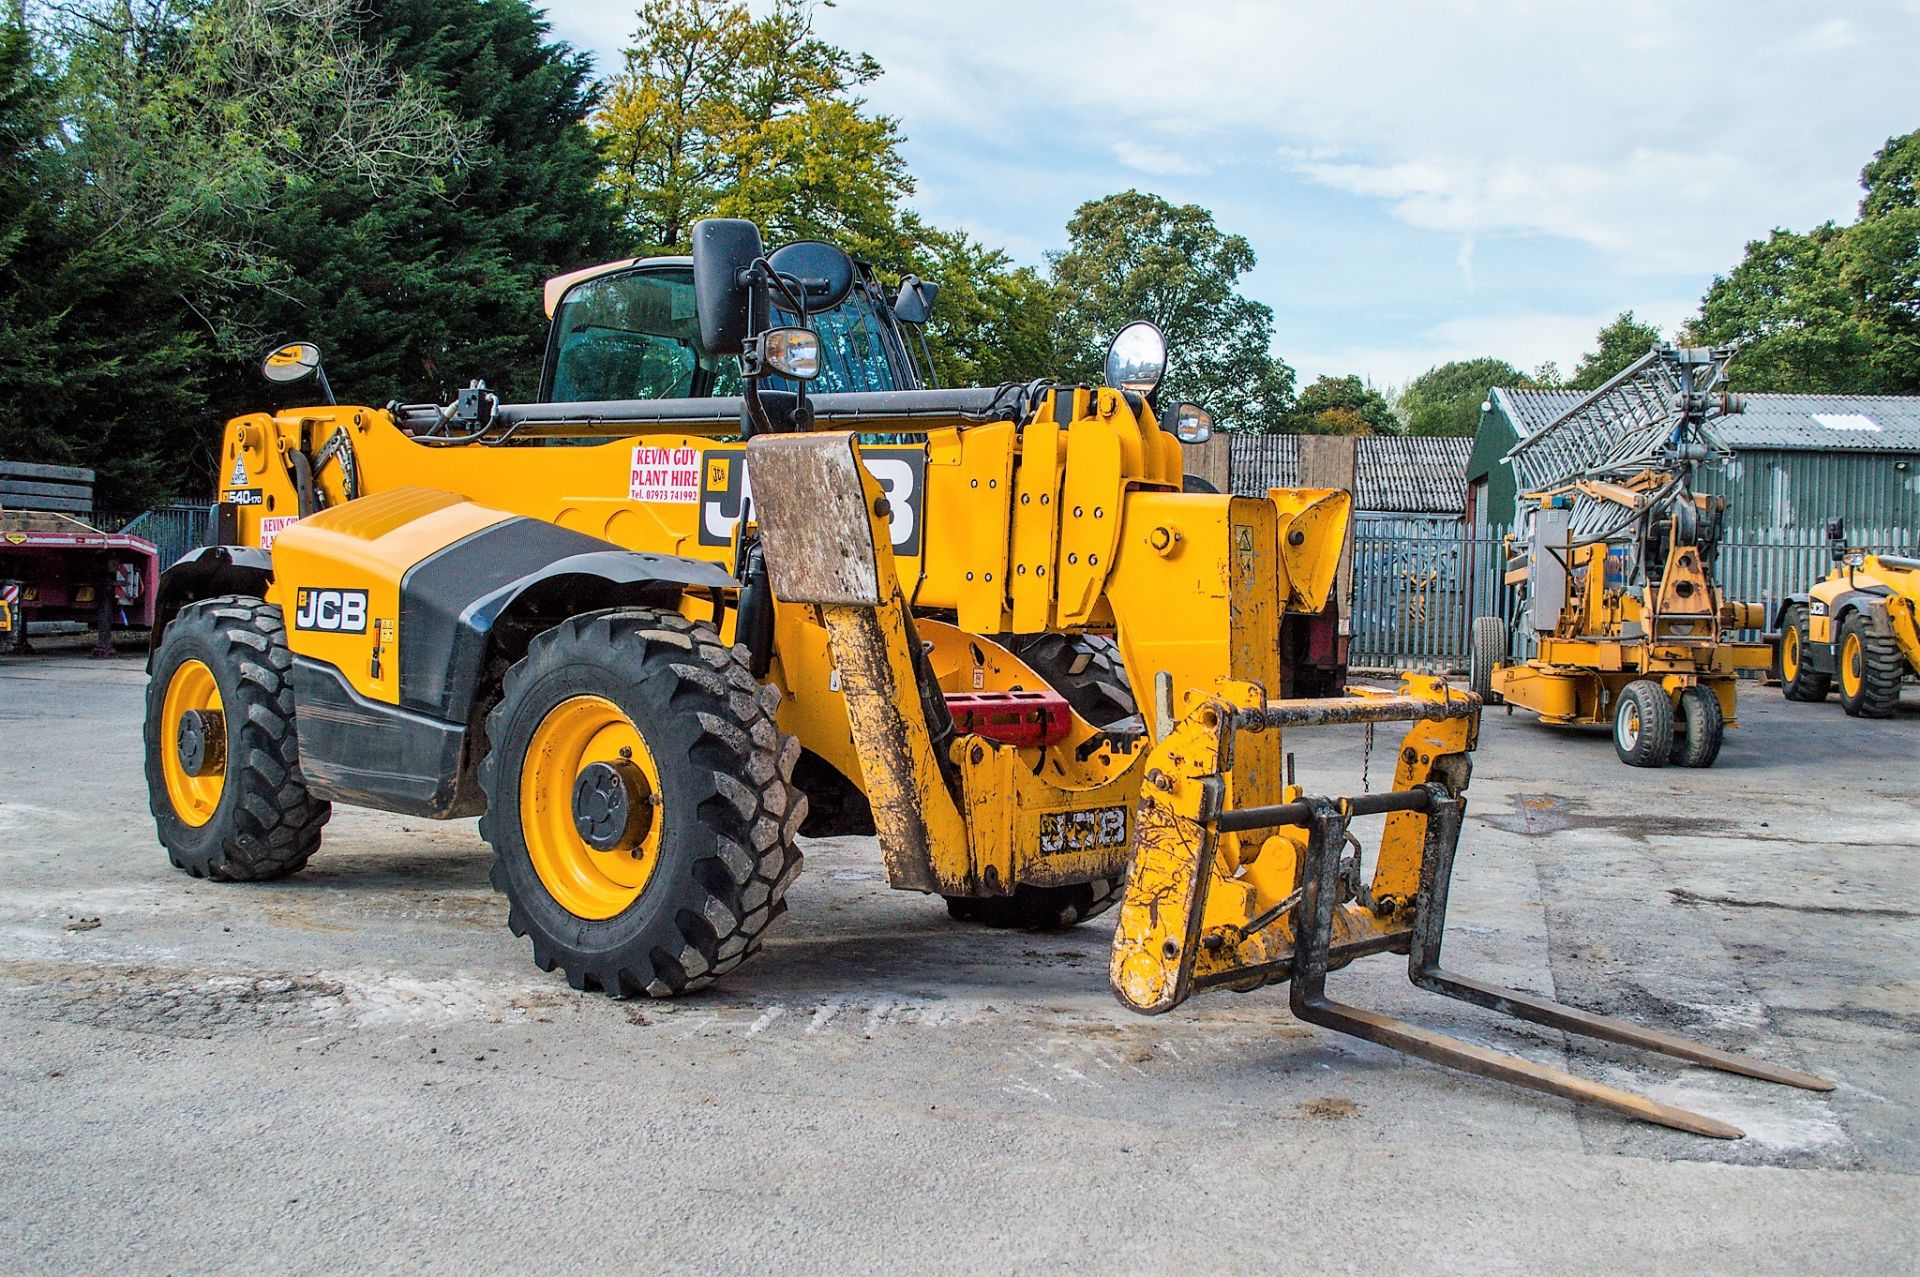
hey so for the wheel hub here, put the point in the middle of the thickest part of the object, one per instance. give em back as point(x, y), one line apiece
point(201, 742)
point(612, 806)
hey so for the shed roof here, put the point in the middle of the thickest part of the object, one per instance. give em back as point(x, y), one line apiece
point(1817, 423)
point(1393, 474)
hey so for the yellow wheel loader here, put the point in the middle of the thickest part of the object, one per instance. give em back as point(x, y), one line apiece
point(1858, 629)
point(739, 570)
point(1616, 569)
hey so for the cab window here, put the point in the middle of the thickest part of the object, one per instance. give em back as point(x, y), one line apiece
point(628, 336)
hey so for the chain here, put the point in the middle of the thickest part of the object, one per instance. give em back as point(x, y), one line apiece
point(1366, 762)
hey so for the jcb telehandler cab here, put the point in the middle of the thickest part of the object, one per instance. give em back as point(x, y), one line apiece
point(643, 636)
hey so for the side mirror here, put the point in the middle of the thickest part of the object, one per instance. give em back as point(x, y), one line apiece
point(1192, 423)
point(914, 305)
point(1137, 359)
point(723, 249)
point(821, 273)
point(295, 361)
point(1837, 539)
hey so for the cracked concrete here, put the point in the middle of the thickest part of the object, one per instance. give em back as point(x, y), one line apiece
point(359, 1068)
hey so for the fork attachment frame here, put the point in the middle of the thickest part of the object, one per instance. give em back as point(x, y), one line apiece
point(1206, 906)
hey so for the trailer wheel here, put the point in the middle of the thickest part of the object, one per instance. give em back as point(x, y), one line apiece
point(223, 760)
point(1798, 682)
point(1489, 649)
point(1705, 727)
point(1870, 669)
point(640, 803)
point(1039, 908)
point(1643, 724)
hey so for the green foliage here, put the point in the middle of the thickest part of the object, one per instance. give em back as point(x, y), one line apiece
point(414, 290)
point(1619, 344)
point(1136, 256)
point(720, 113)
point(1445, 400)
point(1341, 406)
point(1836, 309)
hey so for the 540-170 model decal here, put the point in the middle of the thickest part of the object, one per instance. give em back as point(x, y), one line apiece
point(901, 471)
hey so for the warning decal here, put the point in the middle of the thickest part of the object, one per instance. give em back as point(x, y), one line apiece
point(664, 474)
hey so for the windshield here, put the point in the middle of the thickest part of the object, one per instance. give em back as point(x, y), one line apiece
point(634, 335)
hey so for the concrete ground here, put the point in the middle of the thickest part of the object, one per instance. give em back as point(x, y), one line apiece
point(360, 1069)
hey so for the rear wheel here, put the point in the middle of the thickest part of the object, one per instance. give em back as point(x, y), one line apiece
point(223, 762)
point(1087, 670)
point(1797, 681)
point(640, 803)
point(1488, 650)
point(1704, 726)
point(1870, 669)
point(1039, 908)
point(1643, 724)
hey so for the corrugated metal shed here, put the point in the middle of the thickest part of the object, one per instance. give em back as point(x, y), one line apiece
point(1823, 423)
point(1798, 461)
point(1393, 475)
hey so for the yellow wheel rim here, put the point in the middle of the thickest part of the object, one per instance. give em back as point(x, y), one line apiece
point(1851, 671)
point(575, 734)
point(194, 798)
point(1790, 653)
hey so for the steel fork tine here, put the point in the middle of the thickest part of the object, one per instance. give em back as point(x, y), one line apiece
point(1423, 968)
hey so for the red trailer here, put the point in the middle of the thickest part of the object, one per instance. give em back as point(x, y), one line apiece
point(53, 567)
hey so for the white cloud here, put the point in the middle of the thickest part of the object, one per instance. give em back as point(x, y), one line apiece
point(1159, 161)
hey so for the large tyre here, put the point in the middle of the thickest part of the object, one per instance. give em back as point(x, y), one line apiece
point(640, 803)
point(1489, 649)
point(223, 759)
point(1039, 908)
point(1087, 670)
point(1703, 726)
point(1870, 667)
point(1643, 724)
point(1798, 682)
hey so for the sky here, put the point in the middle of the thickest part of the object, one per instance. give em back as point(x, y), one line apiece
point(1422, 180)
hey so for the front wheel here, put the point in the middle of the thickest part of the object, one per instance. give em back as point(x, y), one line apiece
point(640, 803)
point(223, 762)
point(1798, 682)
point(1643, 724)
point(1871, 668)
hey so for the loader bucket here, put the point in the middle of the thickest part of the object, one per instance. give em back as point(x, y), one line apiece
point(1244, 896)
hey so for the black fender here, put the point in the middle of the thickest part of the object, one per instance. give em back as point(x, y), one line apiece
point(207, 573)
point(486, 594)
point(1802, 599)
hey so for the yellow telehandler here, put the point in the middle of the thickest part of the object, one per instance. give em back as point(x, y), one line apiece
point(737, 571)
point(1860, 627)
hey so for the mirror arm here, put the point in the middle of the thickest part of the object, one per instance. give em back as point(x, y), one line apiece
point(320, 372)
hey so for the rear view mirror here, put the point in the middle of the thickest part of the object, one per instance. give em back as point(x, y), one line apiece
point(820, 272)
point(914, 305)
point(723, 249)
point(295, 361)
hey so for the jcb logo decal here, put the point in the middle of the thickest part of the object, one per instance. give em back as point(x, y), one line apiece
point(1064, 831)
point(902, 472)
point(331, 611)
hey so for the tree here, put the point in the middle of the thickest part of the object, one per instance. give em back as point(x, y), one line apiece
point(415, 291)
point(1837, 308)
point(182, 124)
point(1136, 256)
point(1619, 344)
point(1341, 406)
point(1445, 400)
point(717, 112)
point(993, 321)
